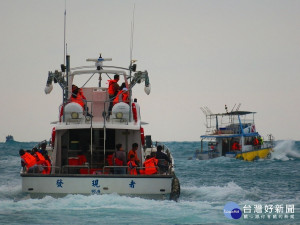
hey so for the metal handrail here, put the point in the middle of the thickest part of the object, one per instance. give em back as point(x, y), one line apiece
point(76, 166)
point(158, 169)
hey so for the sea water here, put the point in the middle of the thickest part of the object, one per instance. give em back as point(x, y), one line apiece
point(266, 192)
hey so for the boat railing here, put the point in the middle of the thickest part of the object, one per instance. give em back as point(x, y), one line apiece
point(57, 169)
point(37, 169)
point(257, 147)
point(127, 168)
point(74, 169)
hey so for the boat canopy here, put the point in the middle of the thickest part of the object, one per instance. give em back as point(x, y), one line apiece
point(234, 113)
point(230, 135)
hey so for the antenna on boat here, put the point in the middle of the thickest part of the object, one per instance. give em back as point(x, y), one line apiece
point(233, 107)
point(238, 107)
point(131, 37)
point(206, 111)
point(65, 25)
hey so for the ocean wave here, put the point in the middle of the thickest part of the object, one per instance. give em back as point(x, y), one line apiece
point(113, 208)
point(285, 150)
point(220, 193)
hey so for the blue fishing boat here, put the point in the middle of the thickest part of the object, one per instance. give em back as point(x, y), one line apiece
point(233, 134)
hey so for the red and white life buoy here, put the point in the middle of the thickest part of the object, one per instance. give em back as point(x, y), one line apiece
point(53, 136)
point(134, 112)
point(142, 136)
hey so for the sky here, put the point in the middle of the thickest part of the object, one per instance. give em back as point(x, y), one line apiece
point(197, 53)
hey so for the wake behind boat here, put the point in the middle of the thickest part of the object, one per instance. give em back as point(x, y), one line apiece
point(84, 140)
point(233, 134)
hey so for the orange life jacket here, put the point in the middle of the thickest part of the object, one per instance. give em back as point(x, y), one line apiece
point(255, 142)
point(132, 167)
point(131, 152)
point(234, 147)
point(78, 100)
point(150, 166)
point(29, 159)
point(124, 97)
point(48, 168)
point(40, 157)
point(111, 88)
point(80, 94)
point(117, 161)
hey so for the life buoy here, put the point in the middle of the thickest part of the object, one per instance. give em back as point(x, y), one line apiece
point(61, 112)
point(53, 136)
point(142, 136)
point(134, 112)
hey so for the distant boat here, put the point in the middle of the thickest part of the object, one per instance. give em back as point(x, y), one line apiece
point(231, 134)
point(9, 138)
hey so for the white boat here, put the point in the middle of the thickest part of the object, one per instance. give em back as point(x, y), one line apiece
point(94, 132)
point(234, 135)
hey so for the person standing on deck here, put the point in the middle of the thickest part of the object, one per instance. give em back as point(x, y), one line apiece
point(134, 153)
point(122, 96)
point(163, 166)
point(119, 159)
point(113, 88)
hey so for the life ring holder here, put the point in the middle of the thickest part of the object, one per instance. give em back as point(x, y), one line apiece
point(134, 112)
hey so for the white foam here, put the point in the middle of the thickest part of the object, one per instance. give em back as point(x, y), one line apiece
point(285, 150)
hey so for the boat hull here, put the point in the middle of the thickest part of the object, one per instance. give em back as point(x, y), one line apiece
point(247, 156)
point(255, 154)
point(156, 185)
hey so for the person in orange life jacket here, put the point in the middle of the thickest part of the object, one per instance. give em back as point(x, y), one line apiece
point(47, 169)
point(235, 146)
point(113, 88)
point(119, 159)
point(28, 161)
point(133, 153)
point(78, 96)
point(122, 96)
point(41, 161)
point(160, 155)
point(150, 165)
point(255, 141)
point(132, 166)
